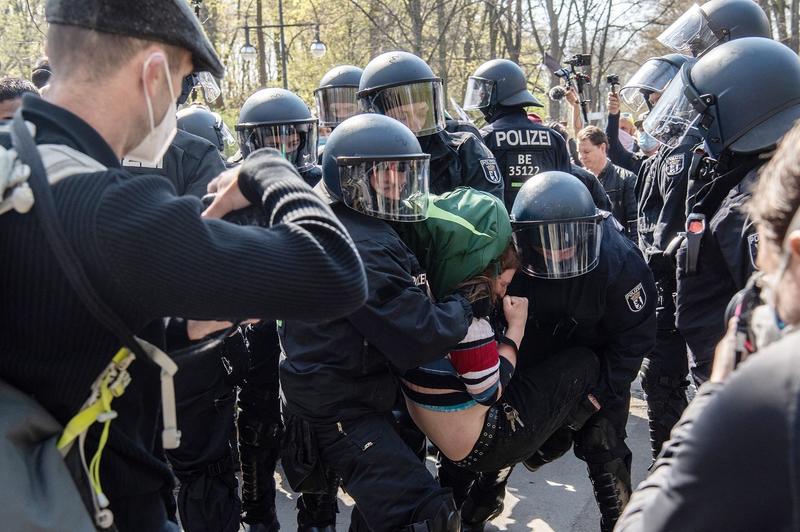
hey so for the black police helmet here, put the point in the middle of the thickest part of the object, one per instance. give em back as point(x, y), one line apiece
point(754, 88)
point(273, 106)
point(735, 19)
point(392, 69)
point(510, 83)
point(552, 197)
point(203, 123)
point(341, 76)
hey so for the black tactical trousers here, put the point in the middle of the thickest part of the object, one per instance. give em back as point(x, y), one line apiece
point(389, 483)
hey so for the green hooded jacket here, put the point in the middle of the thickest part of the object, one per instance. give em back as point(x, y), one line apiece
point(465, 232)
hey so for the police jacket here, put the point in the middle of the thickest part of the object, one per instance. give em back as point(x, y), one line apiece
point(620, 186)
point(523, 149)
point(190, 163)
point(736, 445)
point(623, 158)
point(312, 176)
point(662, 199)
point(461, 159)
point(149, 254)
point(609, 310)
point(726, 259)
point(599, 195)
point(343, 368)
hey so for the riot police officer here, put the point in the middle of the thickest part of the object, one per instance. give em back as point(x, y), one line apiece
point(588, 286)
point(403, 86)
point(661, 191)
point(499, 89)
point(277, 118)
point(200, 121)
point(751, 84)
point(339, 377)
point(336, 97)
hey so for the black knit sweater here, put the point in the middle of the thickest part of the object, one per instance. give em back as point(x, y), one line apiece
point(150, 255)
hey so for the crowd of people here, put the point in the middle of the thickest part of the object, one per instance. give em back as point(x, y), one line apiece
point(374, 282)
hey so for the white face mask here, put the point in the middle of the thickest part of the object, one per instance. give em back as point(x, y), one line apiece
point(155, 144)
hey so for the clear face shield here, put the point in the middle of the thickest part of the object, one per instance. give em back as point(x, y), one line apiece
point(203, 81)
point(419, 106)
point(335, 105)
point(652, 77)
point(559, 250)
point(679, 109)
point(690, 34)
point(392, 188)
point(225, 135)
point(479, 93)
point(297, 142)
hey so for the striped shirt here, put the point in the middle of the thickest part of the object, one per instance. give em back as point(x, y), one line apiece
point(472, 373)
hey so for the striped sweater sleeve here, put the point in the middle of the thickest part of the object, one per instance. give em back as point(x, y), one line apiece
point(478, 363)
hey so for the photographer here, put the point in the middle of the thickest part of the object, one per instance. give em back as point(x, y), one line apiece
point(147, 253)
point(754, 409)
point(617, 153)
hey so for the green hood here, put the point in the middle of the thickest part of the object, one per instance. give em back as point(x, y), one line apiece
point(465, 232)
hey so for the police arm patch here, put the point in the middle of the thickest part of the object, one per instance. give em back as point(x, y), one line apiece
point(491, 171)
point(674, 164)
point(636, 298)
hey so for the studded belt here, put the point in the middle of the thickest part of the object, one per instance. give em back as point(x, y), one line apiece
point(485, 440)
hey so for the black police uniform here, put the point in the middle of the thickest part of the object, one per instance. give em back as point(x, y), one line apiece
point(611, 311)
point(131, 233)
point(662, 187)
point(190, 163)
point(726, 259)
point(620, 186)
point(599, 195)
point(753, 415)
point(340, 376)
point(461, 159)
point(523, 149)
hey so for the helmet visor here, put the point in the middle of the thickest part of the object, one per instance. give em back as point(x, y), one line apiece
point(296, 142)
point(690, 34)
point(420, 106)
point(559, 250)
point(479, 93)
point(224, 133)
point(652, 76)
point(392, 188)
point(335, 105)
point(672, 116)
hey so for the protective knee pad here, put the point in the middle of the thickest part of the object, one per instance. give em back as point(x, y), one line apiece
point(438, 513)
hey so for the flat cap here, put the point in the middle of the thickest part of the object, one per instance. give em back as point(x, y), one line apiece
point(166, 21)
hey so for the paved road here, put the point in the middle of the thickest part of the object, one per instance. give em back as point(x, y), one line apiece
point(557, 498)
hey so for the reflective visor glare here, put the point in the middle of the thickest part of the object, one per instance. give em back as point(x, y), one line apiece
point(335, 105)
point(420, 106)
point(653, 76)
point(672, 116)
point(479, 93)
point(690, 34)
point(211, 90)
point(296, 142)
point(391, 190)
point(559, 250)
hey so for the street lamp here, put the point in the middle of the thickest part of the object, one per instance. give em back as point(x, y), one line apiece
point(248, 51)
point(318, 47)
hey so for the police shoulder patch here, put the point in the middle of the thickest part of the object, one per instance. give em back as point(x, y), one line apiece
point(491, 171)
point(752, 246)
point(636, 298)
point(673, 164)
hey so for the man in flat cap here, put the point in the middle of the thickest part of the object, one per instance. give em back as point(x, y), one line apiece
point(117, 71)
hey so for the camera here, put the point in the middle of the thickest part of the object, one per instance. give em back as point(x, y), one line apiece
point(579, 60)
point(612, 79)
